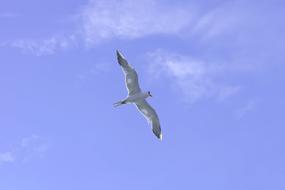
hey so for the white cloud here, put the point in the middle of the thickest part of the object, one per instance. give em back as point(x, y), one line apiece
point(33, 146)
point(28, 148)
point(195, 78)
point(222, 20)
point(43, 47)
point(7, 157)
point(100, 21)
point(248, 107)
point(233, 28)
point(128, 19)
point(249, 34)
point(230, 40)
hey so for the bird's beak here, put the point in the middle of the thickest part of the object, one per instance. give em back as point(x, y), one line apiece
point(150, 95)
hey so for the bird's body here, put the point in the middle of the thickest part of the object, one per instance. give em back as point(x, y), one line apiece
point(137, 97)
point(133, 98)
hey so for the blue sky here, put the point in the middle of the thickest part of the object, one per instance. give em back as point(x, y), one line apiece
point(215, 69)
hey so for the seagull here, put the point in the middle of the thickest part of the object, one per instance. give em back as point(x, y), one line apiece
point(137, 96)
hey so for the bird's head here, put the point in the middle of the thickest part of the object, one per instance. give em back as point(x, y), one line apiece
point(149, 94)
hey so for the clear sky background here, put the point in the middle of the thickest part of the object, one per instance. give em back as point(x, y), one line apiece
point(215, 69)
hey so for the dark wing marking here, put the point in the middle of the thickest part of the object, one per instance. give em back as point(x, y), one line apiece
point(131, 77)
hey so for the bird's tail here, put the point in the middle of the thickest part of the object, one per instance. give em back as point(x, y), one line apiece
point(119, 103)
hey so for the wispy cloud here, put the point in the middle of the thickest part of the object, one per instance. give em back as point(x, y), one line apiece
point(195, 78)
point(249, 34)
point(43, 47)
point(228, 40)
point(221, 20)
point(248, 107)
point(100, 21)
point(7, 157)
point(234, 27)
point(34, 146)
point(28, 148)
point(127, 19)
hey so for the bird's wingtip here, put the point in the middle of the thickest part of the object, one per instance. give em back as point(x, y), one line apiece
point(120, 57)
point(119, 54)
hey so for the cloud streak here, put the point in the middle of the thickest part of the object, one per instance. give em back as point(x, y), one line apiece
point(43, 47)
point(194, 77)
point(219, 21)
point(100, 21)
point(33, 147)
point(243, 111)
point(127, 19)
point(230, 32)
point(28, 148)
point(7, 157)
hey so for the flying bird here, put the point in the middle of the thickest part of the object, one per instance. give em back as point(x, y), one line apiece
point(137, 96)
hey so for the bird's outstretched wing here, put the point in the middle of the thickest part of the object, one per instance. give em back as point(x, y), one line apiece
point(150, 114)
point(131, 77)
